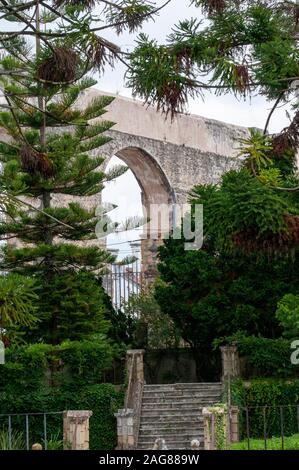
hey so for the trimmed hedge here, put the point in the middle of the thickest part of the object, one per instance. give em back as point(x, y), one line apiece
point(263, 357)
point(43, 378)
point(265, 397)
point(72, 361)
point(102, 399)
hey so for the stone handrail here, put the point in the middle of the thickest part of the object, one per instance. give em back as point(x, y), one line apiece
point(137, 411)
point(128, 419)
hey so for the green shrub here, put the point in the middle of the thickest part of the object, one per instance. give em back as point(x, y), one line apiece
point(287, 314)
point(45, 378)
point(264, 399)
point(54, 442)
point(73, 363)
point(102, 399)
point(263, 357)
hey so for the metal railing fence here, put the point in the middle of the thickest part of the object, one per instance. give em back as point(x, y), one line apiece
point(19, 431)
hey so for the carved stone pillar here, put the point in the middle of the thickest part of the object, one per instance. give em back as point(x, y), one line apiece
point(125, 429)
point(230, 362)
point(76, 430)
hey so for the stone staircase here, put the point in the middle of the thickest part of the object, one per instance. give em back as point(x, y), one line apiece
point(173, 412)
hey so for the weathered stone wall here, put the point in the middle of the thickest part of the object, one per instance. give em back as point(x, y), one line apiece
point(197, 132)
point(174, 155)
point(165, 168)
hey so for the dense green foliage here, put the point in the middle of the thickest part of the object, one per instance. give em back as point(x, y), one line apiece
point(17, 301)
point(254, 215)
point(264, 398)
point(160, 330)
point(46, 378)
point(264, 357)
point(288, 315)
point(211, 294)
point(102, 399)
point(77, 309)
point(69, 364)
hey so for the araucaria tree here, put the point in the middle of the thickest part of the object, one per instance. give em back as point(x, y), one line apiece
point(49, 147)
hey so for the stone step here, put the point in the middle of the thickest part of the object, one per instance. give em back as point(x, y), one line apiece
point(149, 439)
point(179, 398)
point(176, 418)
point(185, 384)
point(176, 387)
point(197, 403)
point(177, 427)
point(183, 405)
point(182, 391)
point(197, 420)
point(172, 435)
point(171, 443)
point(179, 445)
point(170, 412)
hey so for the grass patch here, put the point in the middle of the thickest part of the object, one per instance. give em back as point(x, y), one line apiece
point(275, 443)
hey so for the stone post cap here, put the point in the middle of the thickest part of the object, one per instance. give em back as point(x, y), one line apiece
point(213, 409)
point(76, 414)
point(229, 347)
point(206, 412)
point(133, 352)
point(234, 409)
point(124, 413)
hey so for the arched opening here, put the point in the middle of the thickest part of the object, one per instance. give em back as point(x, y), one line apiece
point(143, 188)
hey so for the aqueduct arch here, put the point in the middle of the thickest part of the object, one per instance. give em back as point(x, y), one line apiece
point(155, 186)
point(168, 157)
point(156, 192)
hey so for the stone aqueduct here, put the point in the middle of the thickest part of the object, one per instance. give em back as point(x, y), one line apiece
point(168, 158)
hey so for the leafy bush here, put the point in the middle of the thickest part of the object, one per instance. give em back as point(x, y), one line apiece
point(287, 314)
point(209, 294)
point(44, 378)
point(54, 443)
point(102, 399)
point(264, 357)
point(265, 400)
point(161, 330)
point(71, 363)
point(250, 212)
